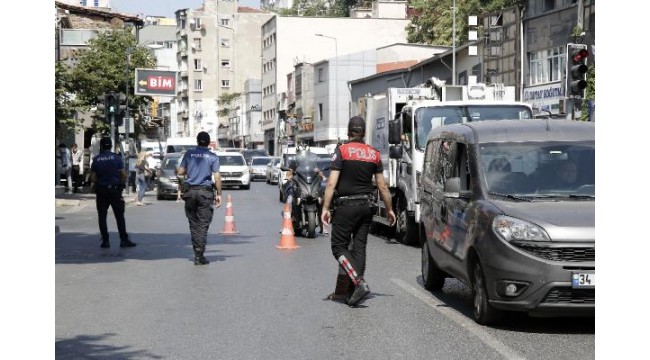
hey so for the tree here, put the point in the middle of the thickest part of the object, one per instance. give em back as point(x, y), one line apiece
point(225, 103)
point(64, 102)
point(434, 23)
point(321, 8)
point(102, 68)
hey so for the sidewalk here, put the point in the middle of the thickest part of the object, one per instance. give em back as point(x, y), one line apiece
point(83, 194)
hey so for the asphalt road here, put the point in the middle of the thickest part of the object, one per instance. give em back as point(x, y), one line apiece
point(258, 302)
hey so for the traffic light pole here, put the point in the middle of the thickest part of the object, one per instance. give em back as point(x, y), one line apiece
point(127, 120)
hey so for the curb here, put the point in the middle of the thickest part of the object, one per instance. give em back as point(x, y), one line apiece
point(67, 202)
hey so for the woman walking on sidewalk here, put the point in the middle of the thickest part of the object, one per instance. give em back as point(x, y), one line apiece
point(141, 169)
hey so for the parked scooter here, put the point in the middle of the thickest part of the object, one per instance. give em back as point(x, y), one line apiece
point(304, 189)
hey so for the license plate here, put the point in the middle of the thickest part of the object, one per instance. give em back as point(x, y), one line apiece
point(583, 280)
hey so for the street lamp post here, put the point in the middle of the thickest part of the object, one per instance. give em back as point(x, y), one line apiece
point(336, 89)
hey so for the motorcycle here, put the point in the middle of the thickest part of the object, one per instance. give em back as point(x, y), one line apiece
point(304, 193)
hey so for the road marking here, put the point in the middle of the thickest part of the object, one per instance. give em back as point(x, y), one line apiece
point(461, 320)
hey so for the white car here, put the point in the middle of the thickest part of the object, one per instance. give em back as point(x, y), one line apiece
point(233, 170)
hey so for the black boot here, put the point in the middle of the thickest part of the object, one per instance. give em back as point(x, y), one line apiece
point(105, 244)
point(127, 243)
point(199, 259)
point(361, 290)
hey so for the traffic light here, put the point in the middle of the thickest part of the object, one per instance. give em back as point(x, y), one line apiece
point(576, 71)
point(113, 104)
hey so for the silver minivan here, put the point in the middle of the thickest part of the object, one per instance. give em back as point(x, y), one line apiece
point(508, 208)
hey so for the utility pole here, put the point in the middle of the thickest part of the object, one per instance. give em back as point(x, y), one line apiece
point(453, 41)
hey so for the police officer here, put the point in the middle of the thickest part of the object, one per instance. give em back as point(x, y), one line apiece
point(201, 167)
point(108, 179)
point(353, 166)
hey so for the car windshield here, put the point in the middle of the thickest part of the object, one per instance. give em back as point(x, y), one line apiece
point(539, 169)
point(231, 160)
point(428, 117)
point(260, 161)
point(170, 163)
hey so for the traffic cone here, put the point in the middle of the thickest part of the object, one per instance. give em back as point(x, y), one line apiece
point(287, 240)
point(229, 223)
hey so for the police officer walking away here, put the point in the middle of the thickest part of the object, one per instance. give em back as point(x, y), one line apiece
point(201, 167)
point(353, 166)
point(108, 180)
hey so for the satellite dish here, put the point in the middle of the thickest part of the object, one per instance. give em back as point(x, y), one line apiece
point(191, 21)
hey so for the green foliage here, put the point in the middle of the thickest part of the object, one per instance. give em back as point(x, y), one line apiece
point(225, 103)
point(64, 103)
point(434, 24)
point(102, 68)
point(590, 92)
point(319, 8)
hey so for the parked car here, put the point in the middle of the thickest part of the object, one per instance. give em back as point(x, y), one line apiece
point(508, 208)
point(166, 179)
point(258, 167)
point(233, 169)
point(273, 170)
point(249, 153)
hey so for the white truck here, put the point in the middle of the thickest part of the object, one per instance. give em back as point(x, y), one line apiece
point(398, 123)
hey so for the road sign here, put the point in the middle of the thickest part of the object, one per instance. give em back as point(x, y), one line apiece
point(155, 82)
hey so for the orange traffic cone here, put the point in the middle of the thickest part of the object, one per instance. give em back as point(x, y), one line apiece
point(287, 240)
point(229, 224)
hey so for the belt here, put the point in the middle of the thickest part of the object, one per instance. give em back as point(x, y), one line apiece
point(353, 200)
point(201, 187)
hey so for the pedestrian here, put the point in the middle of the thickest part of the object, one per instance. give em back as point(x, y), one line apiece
point(65, 157)
point(77, 168)
point(353, 166)
point(141, 170)
point(108, 180)
point(150, 175)
point(201, 169)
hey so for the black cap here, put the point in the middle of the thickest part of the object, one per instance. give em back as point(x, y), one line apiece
point(203, 139)
point(105, 142)
point(357, 125)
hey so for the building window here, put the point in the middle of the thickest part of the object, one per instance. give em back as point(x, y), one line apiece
point(197, 23)
point(225, 42)
point(547, 65)
point(96, 3)
point(197, 106)
point(549, 5)
point(225, 83)
point(321, 76)
point(225, 63)
point(225, 22)
point(198, 85)
point(320, 111)
point(198, 66)
point(197, 44)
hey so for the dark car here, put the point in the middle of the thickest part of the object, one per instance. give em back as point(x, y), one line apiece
point(249, 153)
point(166, 176)
point(508, 208)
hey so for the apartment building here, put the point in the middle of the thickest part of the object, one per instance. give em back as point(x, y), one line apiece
point(287, 41)
point(218, 50)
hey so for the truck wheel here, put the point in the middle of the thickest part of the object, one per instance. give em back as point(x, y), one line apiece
point(405, 230)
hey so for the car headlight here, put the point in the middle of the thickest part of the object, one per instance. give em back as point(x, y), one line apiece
point(512, 229)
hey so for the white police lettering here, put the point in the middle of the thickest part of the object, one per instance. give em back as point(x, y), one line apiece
point(362, 153)
point(203, 155)
point(104, 158)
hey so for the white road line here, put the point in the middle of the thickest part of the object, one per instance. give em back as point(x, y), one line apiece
point(461, 320)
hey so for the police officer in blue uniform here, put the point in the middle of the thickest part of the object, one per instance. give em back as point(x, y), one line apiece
point(108, 179)
point(202, 189)
point(353, 166)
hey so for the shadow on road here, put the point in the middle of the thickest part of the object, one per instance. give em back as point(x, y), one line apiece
point(83, 248)
point(93, 347)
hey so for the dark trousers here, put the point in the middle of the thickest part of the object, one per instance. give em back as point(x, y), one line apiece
point(114, 199)
point(199, 212)
point(351, 223)
point(77, 181)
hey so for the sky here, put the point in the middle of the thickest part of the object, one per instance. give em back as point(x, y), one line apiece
point(164, 7)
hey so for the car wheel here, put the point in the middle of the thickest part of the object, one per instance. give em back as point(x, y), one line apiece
point(246, 187)
point(405, 230)
point(484, 313)
point(432, 277)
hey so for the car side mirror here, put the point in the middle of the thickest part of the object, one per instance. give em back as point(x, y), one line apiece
point(452, 189)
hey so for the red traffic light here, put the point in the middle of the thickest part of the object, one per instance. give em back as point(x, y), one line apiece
point(579, 55)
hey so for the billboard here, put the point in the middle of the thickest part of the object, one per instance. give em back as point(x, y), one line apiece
point(155, 82)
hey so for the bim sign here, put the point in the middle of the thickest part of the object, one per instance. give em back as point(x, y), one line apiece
point(155, 82)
